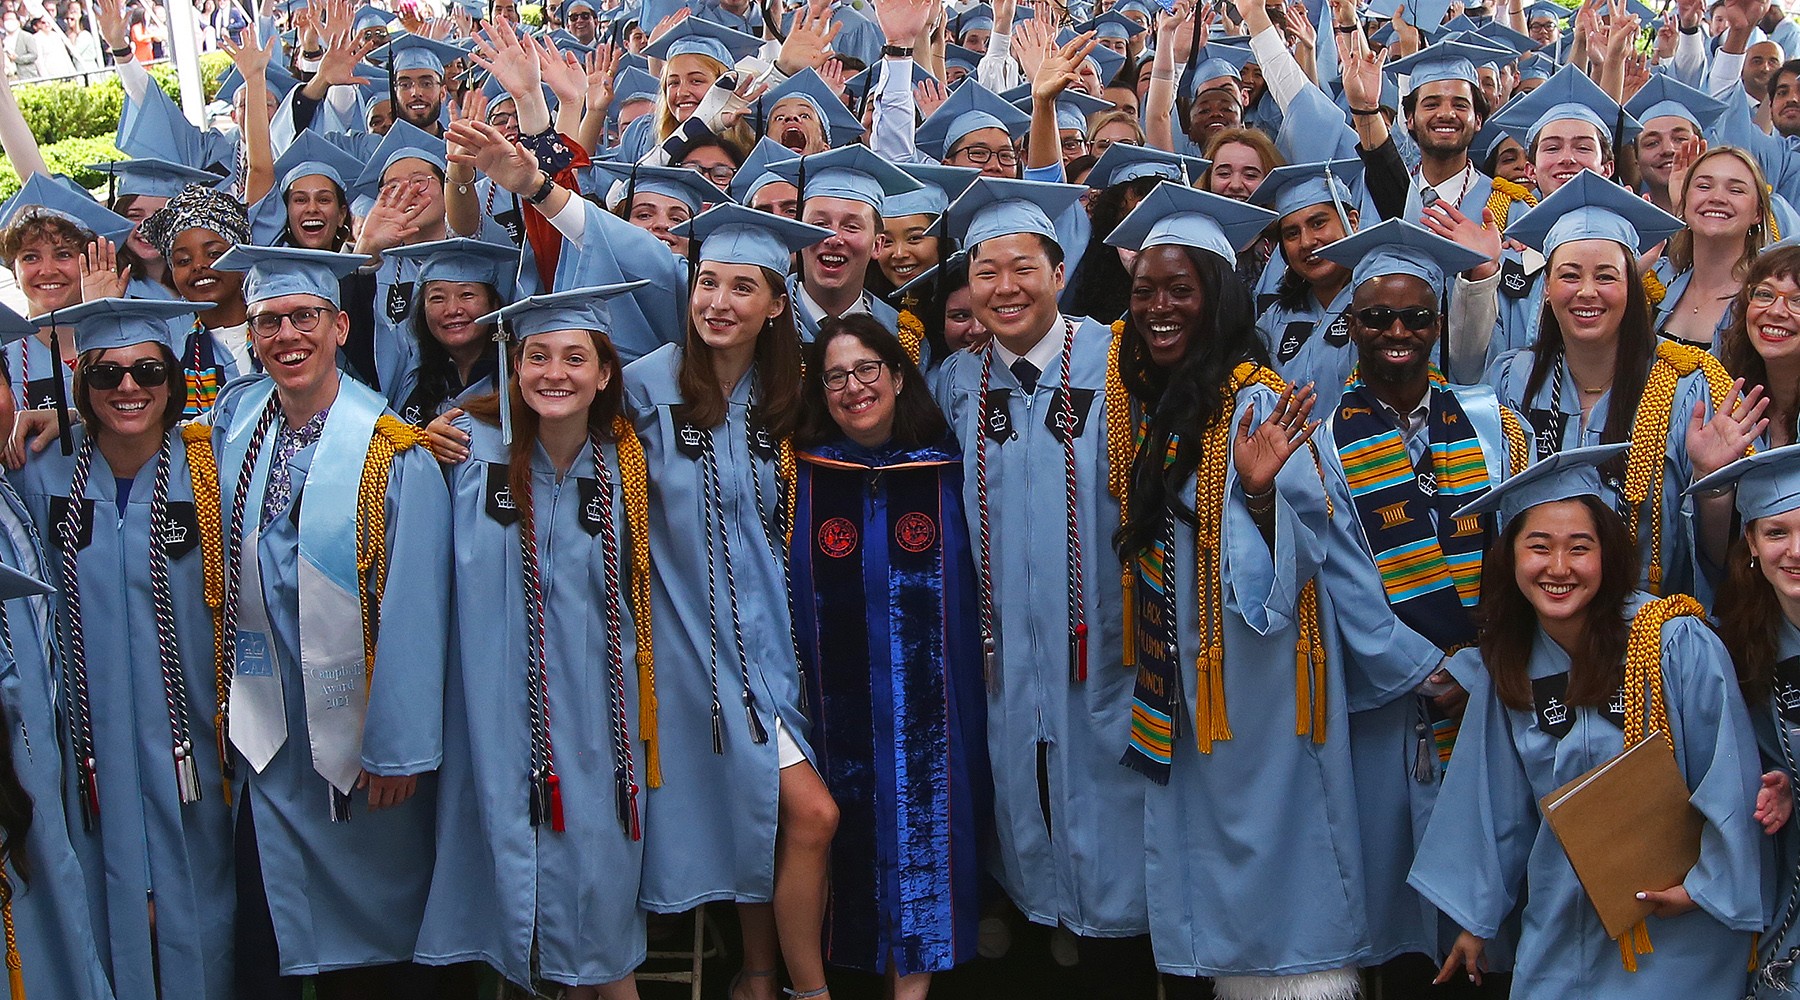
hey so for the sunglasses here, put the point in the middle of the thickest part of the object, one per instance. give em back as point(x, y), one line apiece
point(1381, 317)
point(146, 373)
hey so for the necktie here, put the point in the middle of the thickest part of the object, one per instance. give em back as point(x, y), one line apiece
point(1027, 374)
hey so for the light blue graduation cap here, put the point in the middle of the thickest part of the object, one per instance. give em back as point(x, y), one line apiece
point(1107, 63)
point(977, 18)
point(1457, 25)
point(860, 84)
point(1448, 60)
point(632, 85)
point(1144, 7)
point(410, 52)
point(566, 42)
point(755, 172)
point(1590, 207)
point(1511, 38)
point(154, 177)
point(462, 259)
point(1218, 61)
point(698, 36)
point(1486, 141)
point(1566, 475)
point(495, 92)
point(1177, 215)
point(1536, 66)
point(1768, 483)
point(312, 154)
point(1545, 9)
point(271, 272)
point(969, 108)
point(690, 187)
point(1567, 96)
point(404, 141)
point(1401, 247)
point(733, 234)
point(60, 196)
point(574, 309)
point(1296, 186)
point(14, 327)
point(1390, 95)
point(1664, 97)
point(939, 185)
point(1072, 108)
point(840, 126)
point(574, 5)
point(367, 17)
point(1123, 162)
point(956, 55)
point(855, 173)
point(994, 207)
point(276, 77)
point(1426, 15)
point(1112, 24)
point(107, 324)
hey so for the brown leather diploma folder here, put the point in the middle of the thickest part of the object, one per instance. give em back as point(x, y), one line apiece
point(1627, 827)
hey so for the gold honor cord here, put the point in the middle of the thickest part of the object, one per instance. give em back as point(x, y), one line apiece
point(203, 471)
point(1645, 465)
point(634, 480)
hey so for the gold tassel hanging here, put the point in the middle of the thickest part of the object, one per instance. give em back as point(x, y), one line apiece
point(634, 481)
point(203, 473)
point(15, 965)
point(911, 334)
point(1645, 464)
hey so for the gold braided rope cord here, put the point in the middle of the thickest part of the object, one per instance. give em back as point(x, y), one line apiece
point(392, 436)
point(911, 334)
point(634, 480)
point(15, 965)
point(1501, 201)
point(203, 472)
point(1518, 449)
point(1654, 290)
point(1644, 463)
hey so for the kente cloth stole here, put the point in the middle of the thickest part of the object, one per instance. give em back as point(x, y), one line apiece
point(1431, 572)
point(204, 374)
point(1156, 696)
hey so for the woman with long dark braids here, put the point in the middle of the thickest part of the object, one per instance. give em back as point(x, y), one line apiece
point(1123, 176)
point(126, 555)
point(1209, 497)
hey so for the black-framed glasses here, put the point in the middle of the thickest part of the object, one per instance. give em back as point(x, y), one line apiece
point(719, 173)
point(1381, 317)
point(147, 373)
point(1762, 297)
point(305, 319)
point(979, 155)
point(866, 372)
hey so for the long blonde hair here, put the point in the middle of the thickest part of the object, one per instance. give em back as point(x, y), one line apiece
point(1681, 245)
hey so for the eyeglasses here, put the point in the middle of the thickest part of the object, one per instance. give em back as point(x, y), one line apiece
point(1381, 317)
point(146, 373)
point(501, 119)
point(718, 173)
point(866, 372)
point(1099, 146)
point(1762, 296)
point(1073, 144)
point(305, 319)
point(979, 155)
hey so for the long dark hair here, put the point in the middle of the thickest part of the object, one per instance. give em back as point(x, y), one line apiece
point(1750, 619)
point(1509, 622)
point(1631, 359)
point(343, 235)
point(776, 370)
point(15, 817)
point(438, 376)
point(606, 405)
point(1185, 400)
point(1736, 351)
point(917, 419)
point(1101, 287)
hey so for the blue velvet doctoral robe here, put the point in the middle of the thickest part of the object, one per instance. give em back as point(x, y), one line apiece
point(889, 638)
point(717, 811)
point(1082, 865)
point(146, 844)
point(349, 894)
point(503, 886)
point(58, 944)
point(1488, 847)
point(1511, 374)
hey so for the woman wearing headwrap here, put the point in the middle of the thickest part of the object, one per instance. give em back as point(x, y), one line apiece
point(192, 232)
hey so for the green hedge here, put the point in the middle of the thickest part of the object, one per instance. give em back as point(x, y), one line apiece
point(70, 156)
point(532, 14)
point(67, 109)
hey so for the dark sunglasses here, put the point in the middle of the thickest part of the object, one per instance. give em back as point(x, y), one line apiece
point(1381, 317)
point(146, 373)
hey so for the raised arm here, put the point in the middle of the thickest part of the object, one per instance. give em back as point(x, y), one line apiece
point(252, 61)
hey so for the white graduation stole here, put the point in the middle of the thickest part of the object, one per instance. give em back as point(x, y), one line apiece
point(333, 671)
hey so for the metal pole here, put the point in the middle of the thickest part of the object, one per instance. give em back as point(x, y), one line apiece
point(184, 53)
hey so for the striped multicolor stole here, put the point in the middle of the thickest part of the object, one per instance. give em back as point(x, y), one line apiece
point(1156, 699)
point(204, 374)
point(1430, 560)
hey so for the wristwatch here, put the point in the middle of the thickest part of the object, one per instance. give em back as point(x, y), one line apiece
point(897, 51)
point(539, 196)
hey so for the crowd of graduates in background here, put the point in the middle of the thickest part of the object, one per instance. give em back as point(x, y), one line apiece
point(1193, 477)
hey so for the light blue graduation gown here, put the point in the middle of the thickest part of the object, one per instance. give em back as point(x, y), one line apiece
point(1326, 358)
point(1778, 739)
point(719, 811)
point(1676, 287)
point(58, 945)
point(352, 894)
point(1488, 847)
point(29, 364)
point(1509, 377)
point(1474, 200)
point(1774, 153)
point(1520, 300)
point(808, 328)
point(503, 885)
point(146, 841)
point(613, 250)
point(1089, 874)
point(396, 347)
point(1392, 805)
